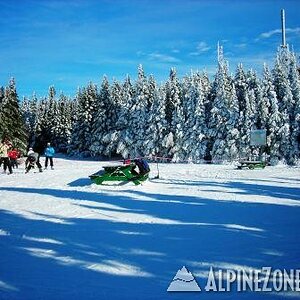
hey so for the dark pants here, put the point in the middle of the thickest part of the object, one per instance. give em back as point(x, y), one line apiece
point(6, 164)
point(51, 161)
point(14, 163)
point(30, 165)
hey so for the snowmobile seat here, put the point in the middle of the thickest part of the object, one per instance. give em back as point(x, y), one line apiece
point(143, 166)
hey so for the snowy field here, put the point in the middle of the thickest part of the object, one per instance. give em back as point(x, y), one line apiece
point(62, 237)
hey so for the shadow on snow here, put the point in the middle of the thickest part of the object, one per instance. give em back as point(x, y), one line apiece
point(90, 258)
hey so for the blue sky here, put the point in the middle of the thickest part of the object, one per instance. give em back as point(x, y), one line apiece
point(68, 43)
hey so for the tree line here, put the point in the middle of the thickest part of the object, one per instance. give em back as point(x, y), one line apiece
point(188, 119)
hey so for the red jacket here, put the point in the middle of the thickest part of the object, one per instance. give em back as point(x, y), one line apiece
point(13, 154)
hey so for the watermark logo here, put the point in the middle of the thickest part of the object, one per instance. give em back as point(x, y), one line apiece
point(184, 281)
point(256, 280)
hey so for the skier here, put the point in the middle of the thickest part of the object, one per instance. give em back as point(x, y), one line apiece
point(49, 153)
point(5, 145)
point(32, 159)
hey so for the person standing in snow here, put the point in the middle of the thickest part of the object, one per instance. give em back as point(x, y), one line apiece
point(5, 145)
point(32, 159)
point(49, 153)
point(13, 155)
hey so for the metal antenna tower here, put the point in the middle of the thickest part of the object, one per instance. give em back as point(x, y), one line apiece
point(220, 53)
point(283, 45)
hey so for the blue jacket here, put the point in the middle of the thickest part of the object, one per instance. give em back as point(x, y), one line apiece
point(49, 151)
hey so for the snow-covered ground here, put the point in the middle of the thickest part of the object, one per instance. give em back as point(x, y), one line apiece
point(62, 237)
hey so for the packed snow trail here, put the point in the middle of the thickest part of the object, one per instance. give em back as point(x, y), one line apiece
point(62, 237)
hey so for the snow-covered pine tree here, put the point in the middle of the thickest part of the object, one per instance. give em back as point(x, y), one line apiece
point(25, 111)
point(62, 128)
point(78, 125)
point(152, 91)
point(241, 86)
point(187, 101)
point(242, 92)
point(52, 117)
point(46, 121)
point(29, 111)
point(156, 130)
point(73, 111)
point(123, 135)
point(250, 113)
point(100, 126)
point(41, 126)
point(263, 102)
point(254, 86)
point(33, 108)
point(2, 125)
point(201, 114)
point(1, 96)
point(3, 112)
point(82, 131)
point(208, 96)
point(195, 130)
point(174, 116)
point(294, 80)
point(274, 121)
point(116, 113)
point(246, 86)
point(285, 104)
point(12, 123)
point(138, 114)
point(224, 116)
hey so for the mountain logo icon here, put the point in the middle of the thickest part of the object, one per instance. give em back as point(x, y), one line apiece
point(184, 281)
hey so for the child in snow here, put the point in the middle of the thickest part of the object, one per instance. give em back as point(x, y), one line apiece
point(32, 160)
point(49, 153)
point(13, 155)
point(5, 145)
